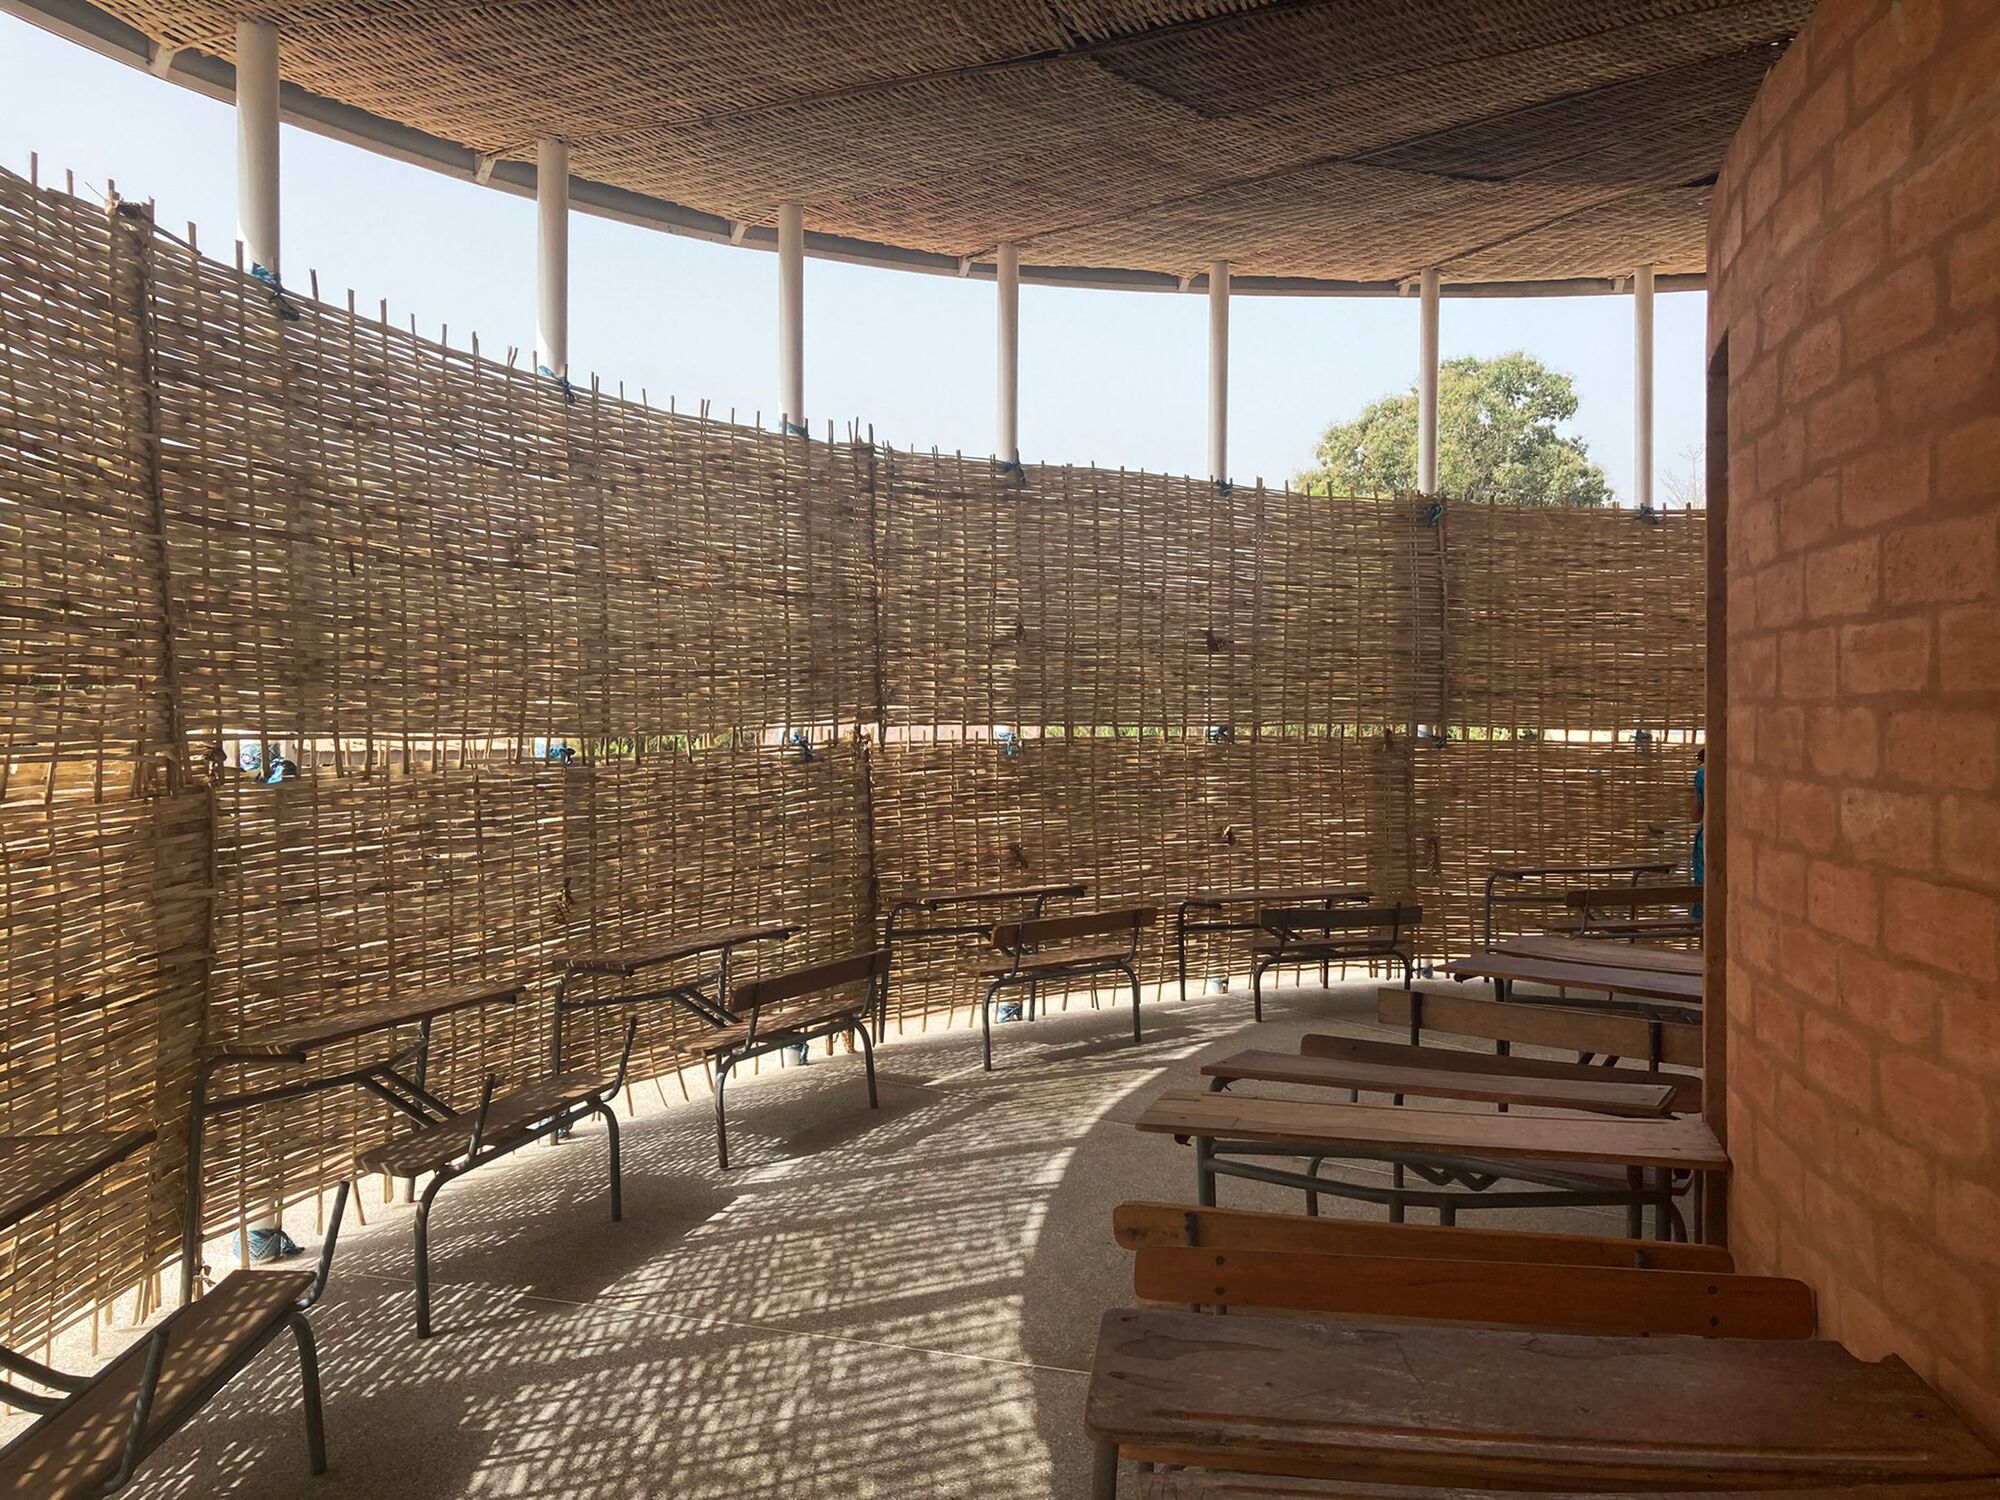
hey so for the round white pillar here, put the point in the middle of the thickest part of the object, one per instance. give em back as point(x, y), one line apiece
point(552, 256)
point(1642, 387)
point(1007, 344)
point(257, 143)
point(1427, 385)
point(792, 315)
point(1218, 371)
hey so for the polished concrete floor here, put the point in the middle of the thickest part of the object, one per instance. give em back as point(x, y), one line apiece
point(898, 1303)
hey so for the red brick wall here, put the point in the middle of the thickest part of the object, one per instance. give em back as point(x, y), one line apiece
point(1855, 275)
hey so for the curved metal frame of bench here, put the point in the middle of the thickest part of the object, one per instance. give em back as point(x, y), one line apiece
point(139, 1442)
point(1034, 982)
point(1309, 954)
point(479, 1152)
point(1456, 1183)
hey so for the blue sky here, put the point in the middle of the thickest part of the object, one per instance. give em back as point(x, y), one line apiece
point(1113, 378)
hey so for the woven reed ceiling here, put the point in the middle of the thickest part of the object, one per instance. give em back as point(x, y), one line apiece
point(1345, 140)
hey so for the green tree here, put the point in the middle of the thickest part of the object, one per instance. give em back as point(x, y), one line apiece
point(1499, 438)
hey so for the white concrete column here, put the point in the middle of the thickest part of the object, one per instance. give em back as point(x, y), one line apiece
point(1642, 387)
point(1427, 385)
point(792, 315)
point(1007, 285)
point(1218, 370)
point(552, 256)
point(257, 143)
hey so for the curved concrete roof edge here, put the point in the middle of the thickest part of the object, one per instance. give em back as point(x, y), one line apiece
point(88, 26)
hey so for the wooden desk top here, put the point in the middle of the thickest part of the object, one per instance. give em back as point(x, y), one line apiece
point(1605, 954)
point(1430, 1076)
point(1335, 1127)
point(36, 1170)
point(1446, 1406)
point(997, 893)
point(1297, 895)
point(629, 961)
point(1684, 989)
point(295, 1039)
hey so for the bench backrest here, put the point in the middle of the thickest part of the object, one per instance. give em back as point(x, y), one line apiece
point(1632, 897)
point(1017, 937)
point(1674, 1043)
point(794, 984)
point(1292, 921)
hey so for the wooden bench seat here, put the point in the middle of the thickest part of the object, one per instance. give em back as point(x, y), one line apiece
point(1686, 1091)
point(1045, 950)
point(1429, 1074)
point(792, 1009)
point(448, 1146)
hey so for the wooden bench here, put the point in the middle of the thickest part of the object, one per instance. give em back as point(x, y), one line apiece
point(91, 1439)
point(1507, 1409)
point(1569, 1161)
point(1684, 1097)
point(1588, 950)
point(1315, 937)
point(446, 1146)
point(1084, 947)
point(1657, 1041)
point(1428, 1072)
point(1363, 1271)
point(793, 1009)
point(1617, 911)
point(1327, 896)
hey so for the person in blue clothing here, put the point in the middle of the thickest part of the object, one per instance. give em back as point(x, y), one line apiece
point(1698, 865)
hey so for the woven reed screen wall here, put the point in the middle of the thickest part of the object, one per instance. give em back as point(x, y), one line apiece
point(785, 665)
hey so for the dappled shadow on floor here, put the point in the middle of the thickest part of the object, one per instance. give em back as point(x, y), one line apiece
point(899, 1302)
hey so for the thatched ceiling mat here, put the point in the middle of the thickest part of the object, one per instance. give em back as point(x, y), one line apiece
point(1344, 140)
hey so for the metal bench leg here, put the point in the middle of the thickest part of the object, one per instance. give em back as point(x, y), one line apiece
point(722, 1066)
point(422, 1237)
point(1104, 1472)
point(309, 1393)
point(986, 1024)
point(605, 1113)
point(1137, 1035)
point(1204, 1171)
point(1180, 949)
point(868, 1062)
point(1397, 1211)
point(1256, 991)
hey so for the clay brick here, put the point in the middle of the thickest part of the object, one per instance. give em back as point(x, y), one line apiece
point(1846, 418)
point(1968, 460)
point(1883, 484)
point(1781, 594)
point(1923, 1287)
point(1812, 361)
point(1812, 965)
point(1884, 1169)
point(1781, 456)
point(1944, 926)
point(1969, 648)
point(1971, 1035)
point(1947, 372)
point(1806, 660)
point(1891, 997)
point(1808, 816)
point(1891, 828)
point(1969, 839)
point(1886, 52)
point(1842, 742)
point(1809, 514)
point(1892, 310)
point(1844, 580)
point(1940, 748)
point(1946, 562)
point(1843, 901)
point(1933, 1107)
point(1815, 122)
point(1779, 740)
point(1972, 266)
point(1854, 249)
point(1968, 1218)
point(1781, 882)
point(1873, 151)
point(1953, 188)
point(1885, 656)
point(1797, 214)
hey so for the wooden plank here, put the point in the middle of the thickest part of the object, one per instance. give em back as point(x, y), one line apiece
point(628, 961)
point(1476, 1406)
point(1545, 1026)
point(1136, 1225)
point(810, 981)
point(1681, 1144)
point(75, 1450)
point(1686, 1088)
point(1313, 919)
point(1431, 1077)
point(1632, 897)
point(1003, 893)
point(296, 1038)
point(36, 1170)
point(1567, 1299)
point(1682, 989)
point(1603, 952)
point(1012, 935)
point(1207, 1484)
point(1280, 896)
